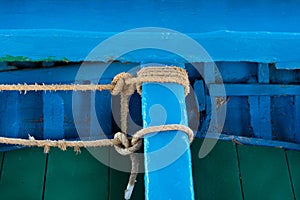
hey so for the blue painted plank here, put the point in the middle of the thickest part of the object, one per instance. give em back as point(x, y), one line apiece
point(200, 94)
point(254, 89)
point(10, 114)
point(209, 72)
point(260, 107)
point(168, 173)
point(65, 73)
point(238, 72)
point(185, 16)
point(101, 116)
point(5, 67)
point(237, 120)
point(81, 107)
point(31, 115)
point(297, 118)
point(288, 65)
point(53, 109)
point(31, 106)
point(282, 115)
point(274, 47)
point(253, 141)
point(260, 113)
point(263, 73)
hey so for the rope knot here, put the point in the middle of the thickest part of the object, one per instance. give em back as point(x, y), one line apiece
point(120, 85)
point(124, 145)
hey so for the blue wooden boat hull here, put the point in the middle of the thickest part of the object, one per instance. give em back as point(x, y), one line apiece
point(250, 66)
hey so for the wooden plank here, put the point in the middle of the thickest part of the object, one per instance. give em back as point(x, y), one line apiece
point(260, 107)
point(239, 45)
point(104, 16)
point(81, 107)
point(1, 160)
point(31, 115)
point(10, 114)
point(53, 110)
point(260, 113)
point(200, 94)
point(293, 158)
point(209, 72)
point(71, 176)
point(264, 173)
point(263, 73)
point(254, 141)
point(22, 175)
point(254, 89)
point(297, 118)
point(216, 176)
point(283, 118)
point(238, 117)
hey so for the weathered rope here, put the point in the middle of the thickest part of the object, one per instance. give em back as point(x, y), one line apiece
point(124, 84)
point(123, 144)
point(54, 87)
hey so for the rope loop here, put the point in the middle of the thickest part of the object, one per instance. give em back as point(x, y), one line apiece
point(125, 146)
point(119, 85)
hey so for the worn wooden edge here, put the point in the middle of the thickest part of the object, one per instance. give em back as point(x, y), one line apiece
point(63, 45)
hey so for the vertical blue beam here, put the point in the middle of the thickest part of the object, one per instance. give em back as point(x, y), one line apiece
point(10, 114)
point(82, 111)
point(209, 72)
point(260, 109)
point(297, 118)
point(53, 111)
point(168, 168)
point(263, 73)
point(200, 94)
point(210, 78)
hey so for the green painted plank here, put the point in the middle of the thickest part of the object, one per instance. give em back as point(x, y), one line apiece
point(119, 179)
point(216, 176)
point(1, 159)
point(22, 175)
point(264, 173)
point(71, 176)
point(294, 163)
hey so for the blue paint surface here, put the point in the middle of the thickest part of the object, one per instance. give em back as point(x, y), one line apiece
point(168, 173)
point(53, 110)
point(297, 118)
point(255, 89)
point(185, 16)
point(252, 42)
point(246, 116)
point(236, 46)
point(242, 31)
point(260, 107)
point(10, 114)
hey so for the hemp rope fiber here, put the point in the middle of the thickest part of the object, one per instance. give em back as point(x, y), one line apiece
point(123, 84)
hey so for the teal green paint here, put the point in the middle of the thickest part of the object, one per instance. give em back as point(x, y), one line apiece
point(76, 177)
point(294, 164)
point(264, 173)
point(216, 176)
point(22, 175)
point(9, 58)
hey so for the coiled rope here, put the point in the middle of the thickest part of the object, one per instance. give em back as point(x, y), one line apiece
point(123, 84)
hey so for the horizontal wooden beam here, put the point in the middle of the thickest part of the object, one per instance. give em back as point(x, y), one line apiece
point(61, 44)
point(252, 141)
point(254, 89)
